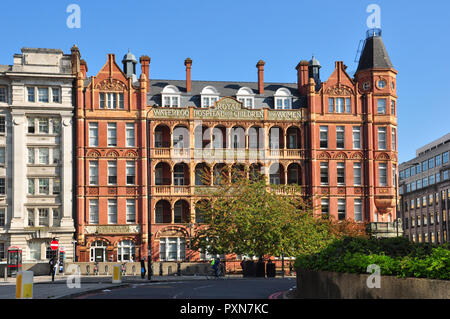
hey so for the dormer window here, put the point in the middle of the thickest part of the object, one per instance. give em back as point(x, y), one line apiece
point(283, 99)
point(209, 96)
point(111, 100)
point(246, 97)
point(170, 96)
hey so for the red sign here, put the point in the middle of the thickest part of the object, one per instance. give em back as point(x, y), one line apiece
point(54, 245)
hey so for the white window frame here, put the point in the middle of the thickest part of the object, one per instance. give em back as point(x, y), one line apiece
point(323, 129)
point(340, 170)
point(382, 142)
point(93, 173)
point(130, 211)
point(93, 212)
point(171, 93)
point(126, 245)
point(356, 137)
point(284, 96)
point(130, 167)
point(382, 174)
point(324, 165)
point(93, 134)
point(112, 211)
point(112, 172)
point(179, 241)
point(358, 202)
point(130, 135)
point(246, 96)
point(112, 128)
point(357, 174)
point(340, 130)
point(209, 96)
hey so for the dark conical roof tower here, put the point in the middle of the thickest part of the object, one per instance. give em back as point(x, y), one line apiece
point(374, 54)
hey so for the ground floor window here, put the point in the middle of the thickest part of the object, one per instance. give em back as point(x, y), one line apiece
point(35, 250)
point(98, 251)
point(172, 248)
point(126, 251)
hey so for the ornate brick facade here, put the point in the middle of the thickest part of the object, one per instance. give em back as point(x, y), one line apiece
point(336, 139)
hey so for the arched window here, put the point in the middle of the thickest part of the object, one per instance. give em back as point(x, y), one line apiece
point(125, 251)
point(170, 96)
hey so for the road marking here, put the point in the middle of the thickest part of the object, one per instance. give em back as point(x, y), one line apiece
point(276, 295)
point(203, 287)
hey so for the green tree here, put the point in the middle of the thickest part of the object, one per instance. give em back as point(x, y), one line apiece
point(248, 217)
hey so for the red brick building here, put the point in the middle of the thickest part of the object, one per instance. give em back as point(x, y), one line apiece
point(111, 161)
point(336, 138)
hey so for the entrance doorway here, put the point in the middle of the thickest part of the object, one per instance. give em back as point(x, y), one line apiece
point(98, 251)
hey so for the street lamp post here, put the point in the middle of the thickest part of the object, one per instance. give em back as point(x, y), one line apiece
point(189, 254)
point(149, 260)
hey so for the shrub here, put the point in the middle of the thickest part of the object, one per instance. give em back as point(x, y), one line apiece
point(395, 256)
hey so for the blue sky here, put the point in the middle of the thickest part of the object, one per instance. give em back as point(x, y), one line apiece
point(225, 39)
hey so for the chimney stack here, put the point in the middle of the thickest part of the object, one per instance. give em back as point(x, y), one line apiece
point(302, 76)
point(145, 65)
point(260, 66)
point(188, 64)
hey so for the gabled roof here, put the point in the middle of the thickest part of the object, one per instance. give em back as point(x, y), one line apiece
point(374, 55)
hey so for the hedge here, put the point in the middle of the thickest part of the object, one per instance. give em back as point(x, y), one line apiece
point(395, 256)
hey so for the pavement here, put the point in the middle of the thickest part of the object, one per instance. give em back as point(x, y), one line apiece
point(44, 288)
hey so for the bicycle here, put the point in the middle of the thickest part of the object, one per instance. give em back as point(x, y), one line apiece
point(212, 274)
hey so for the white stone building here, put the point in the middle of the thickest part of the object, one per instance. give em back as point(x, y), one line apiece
point(36, 144)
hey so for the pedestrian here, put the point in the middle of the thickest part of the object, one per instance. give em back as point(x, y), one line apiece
point(213, 265)
point(143, 268)
point(243, 267)
point(216, 266)
point(53, 267)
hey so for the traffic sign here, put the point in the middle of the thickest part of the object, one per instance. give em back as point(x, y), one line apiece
point(54, 245)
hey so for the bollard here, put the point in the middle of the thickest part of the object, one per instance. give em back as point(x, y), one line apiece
point(24, 285)
point(5, 273)
point(117, 275)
